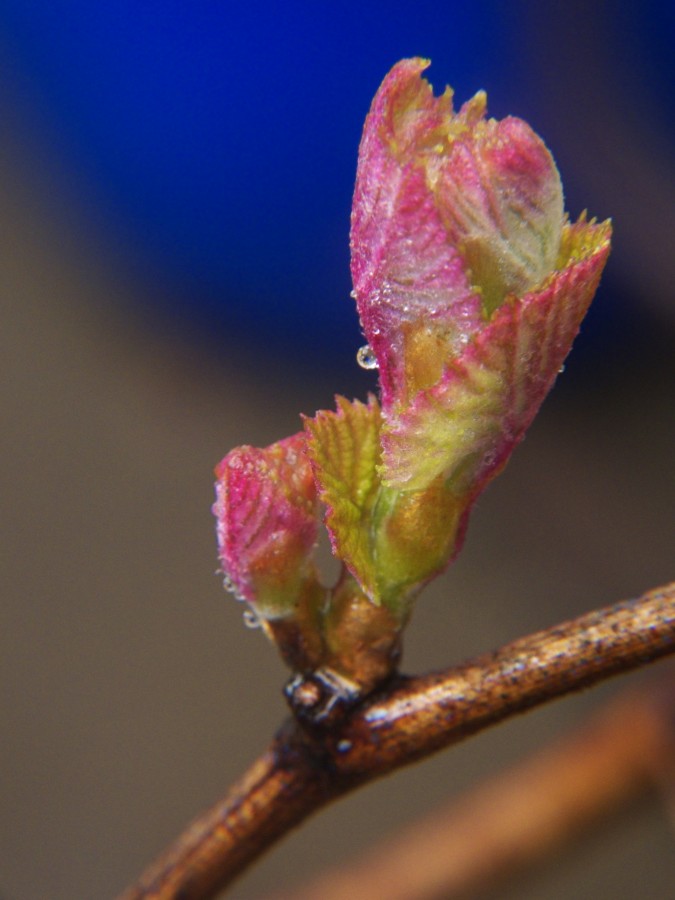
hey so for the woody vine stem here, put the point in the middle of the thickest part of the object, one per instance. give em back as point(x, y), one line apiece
point(304, 769)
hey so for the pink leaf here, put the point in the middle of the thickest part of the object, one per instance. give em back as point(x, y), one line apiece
point(466, 425)
point(266, 509)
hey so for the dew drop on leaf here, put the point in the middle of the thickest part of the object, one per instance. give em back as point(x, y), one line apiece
point(366, 358)
point(250, 619)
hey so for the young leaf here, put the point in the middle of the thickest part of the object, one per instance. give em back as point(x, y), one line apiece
point(344, 447)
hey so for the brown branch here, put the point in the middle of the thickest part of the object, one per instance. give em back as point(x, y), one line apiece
point(520, 817)
point(409, 719)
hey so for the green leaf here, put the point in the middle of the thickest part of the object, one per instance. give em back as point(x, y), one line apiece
point(391, 541)
point(344, 447)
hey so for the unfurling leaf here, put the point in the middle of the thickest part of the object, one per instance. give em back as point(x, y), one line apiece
point(266, 508)
point(344, 447)
point(391, 541)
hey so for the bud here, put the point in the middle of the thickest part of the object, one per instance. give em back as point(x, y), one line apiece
point(266, 512)
point(470, 283)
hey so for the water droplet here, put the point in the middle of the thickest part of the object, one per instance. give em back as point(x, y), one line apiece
point(344, 746)
point(352, 294)
point(366, 358)
point(231, 588)
point(250, 619)
point(561, 369)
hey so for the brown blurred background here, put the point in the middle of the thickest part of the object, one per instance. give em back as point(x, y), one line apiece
point(131, 694)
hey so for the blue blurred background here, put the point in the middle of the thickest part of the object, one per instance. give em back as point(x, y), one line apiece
point(212, 146)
